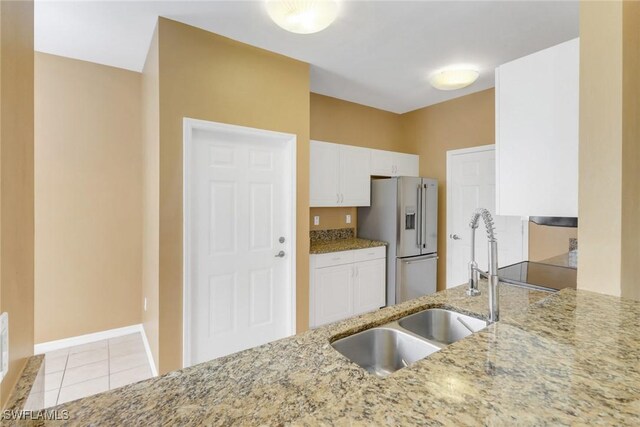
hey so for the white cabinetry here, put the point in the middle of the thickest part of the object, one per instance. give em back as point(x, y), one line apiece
point(345, 284)
point(333, 296)
point(339, 175)
point(391, 163)
point(537, 113)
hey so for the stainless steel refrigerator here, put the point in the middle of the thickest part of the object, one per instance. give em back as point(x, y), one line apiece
point(404, 213)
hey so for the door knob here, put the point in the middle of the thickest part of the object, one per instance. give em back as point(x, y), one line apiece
point(280, 254)
point(454, 237)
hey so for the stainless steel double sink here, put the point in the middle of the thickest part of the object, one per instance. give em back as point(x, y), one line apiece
point(385, 349)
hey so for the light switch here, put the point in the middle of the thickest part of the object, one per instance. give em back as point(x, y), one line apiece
point(316, 220)
point(348, 219)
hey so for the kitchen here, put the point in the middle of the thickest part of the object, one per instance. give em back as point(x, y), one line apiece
point(481, 372)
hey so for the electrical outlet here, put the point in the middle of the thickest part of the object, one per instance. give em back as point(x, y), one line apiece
point(145, 303)
point(348, 219)
point(316, 220)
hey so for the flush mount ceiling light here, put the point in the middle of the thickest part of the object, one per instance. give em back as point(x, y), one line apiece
point(452, 79)
point(303, 16)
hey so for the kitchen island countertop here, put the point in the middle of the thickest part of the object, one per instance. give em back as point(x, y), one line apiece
point(568, 358)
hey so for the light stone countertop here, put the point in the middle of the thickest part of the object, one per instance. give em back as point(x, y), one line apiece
point(572, 357)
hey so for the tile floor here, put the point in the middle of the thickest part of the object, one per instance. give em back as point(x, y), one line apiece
point(80, 371)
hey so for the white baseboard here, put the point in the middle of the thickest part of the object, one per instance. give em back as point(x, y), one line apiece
point(46, 347)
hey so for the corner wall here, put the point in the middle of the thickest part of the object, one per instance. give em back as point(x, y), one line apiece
point(151, 198)
point(88, 189)
point(16, 184)
point(609, 233)
point(210, 77)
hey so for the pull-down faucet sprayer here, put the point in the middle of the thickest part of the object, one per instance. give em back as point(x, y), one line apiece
point(474, 272)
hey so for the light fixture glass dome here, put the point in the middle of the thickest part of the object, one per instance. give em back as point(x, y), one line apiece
point(453, 78)
point(303, 16)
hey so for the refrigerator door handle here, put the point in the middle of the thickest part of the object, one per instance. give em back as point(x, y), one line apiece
point(423, 218)
point(419, 218)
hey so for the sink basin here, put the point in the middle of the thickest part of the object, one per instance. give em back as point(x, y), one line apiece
point(382, 351)
point(443, 326)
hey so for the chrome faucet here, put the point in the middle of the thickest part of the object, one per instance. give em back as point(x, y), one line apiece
point(474, 272)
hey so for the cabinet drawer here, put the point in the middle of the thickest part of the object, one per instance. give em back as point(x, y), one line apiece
point(369, 254)
point(333, 258)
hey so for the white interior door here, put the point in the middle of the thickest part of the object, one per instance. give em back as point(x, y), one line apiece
point(471, 185)
point(239, 199)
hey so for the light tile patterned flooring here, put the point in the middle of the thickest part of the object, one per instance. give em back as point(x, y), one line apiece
point(80, 371)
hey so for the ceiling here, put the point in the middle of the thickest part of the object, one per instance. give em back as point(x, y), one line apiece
point(377, 53)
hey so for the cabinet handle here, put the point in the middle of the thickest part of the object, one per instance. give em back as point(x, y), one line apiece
point(337, 197)
point(341, 198)
point(357, 271)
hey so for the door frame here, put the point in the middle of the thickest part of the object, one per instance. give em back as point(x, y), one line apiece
point(290, 140)
point(450, 154)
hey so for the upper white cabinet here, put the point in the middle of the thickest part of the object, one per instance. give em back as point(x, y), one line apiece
point(537, 110)
point(390, 163)
point(355, 176)
point(339, 175)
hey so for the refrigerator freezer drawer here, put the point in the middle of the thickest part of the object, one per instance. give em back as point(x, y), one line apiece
point(415, 277)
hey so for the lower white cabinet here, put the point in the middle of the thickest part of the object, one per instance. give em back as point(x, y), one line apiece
point(345, 284)
point(369, 286)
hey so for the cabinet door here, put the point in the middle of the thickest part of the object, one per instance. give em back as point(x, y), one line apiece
point(323, 174)
point(354, 176)
point(369, 286)
point(406, 164)
point(537, 133)
point(382, 163)
point(332, 294)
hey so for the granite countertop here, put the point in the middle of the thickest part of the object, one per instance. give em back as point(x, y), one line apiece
point(338, 245)
point(572, 357)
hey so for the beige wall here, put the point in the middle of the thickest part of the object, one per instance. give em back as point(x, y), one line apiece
point(546, 242)
point(16, 184)
point(609, 174)
point(151, 196)
point(631, 150)
point(209, 77)
point(331, 218)
point(343, 122)
point(463, 122)
point(88, 188)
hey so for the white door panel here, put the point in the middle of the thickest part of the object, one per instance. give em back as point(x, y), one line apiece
point(239, 201)
point(472, 185)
